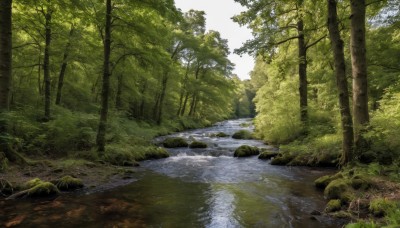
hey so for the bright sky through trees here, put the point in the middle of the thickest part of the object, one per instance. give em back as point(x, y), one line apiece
point(218, 16)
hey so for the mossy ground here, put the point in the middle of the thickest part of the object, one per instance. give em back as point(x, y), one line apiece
point(366, 192)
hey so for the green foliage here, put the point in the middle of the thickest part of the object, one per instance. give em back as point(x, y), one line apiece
point(381, 206)
point(3, 162)
point(242, 134)
point(246, 151)
point(175, 142)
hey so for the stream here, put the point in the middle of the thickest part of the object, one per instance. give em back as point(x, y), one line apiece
point(192, 188)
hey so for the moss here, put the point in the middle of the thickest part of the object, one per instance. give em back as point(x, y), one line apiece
point(282, 159)
point(245, 151)
point(156, 153)
point(220, 135)
point(333, 205)
point(336, 188)
point(68, 183)
point(175, 142)
point(361, 182)
point(268, 155)
point(43, 189)
point(32, 183)
point(197, 144)
point(3, 162)
point(381, 206)
point(242, 134)
point(5, 187)
point(323, 181)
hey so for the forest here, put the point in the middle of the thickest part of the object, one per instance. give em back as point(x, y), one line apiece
point(97, 81)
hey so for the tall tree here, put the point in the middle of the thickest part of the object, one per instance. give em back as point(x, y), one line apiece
point(46, 61)
point(359, 72)
point(5, 53)
point(341, 82)
point(101, 133)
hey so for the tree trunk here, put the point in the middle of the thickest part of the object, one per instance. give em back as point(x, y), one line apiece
point(46, 65)
point(162, 97)
point(101, 133)
point(192, 104)
point(118, 97)
point(359, 72)
point(184, 104)
point(184, 84)
point(143, 100)
point(5, 53)
point(302, 73)
point(341, 81)
point(64, 67)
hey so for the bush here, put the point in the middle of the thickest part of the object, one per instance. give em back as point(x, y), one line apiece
point(175, 142)
point(242, 134)
point(245, 151)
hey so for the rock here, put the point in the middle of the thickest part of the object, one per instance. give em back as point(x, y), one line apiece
point(323, 181)
point(282, 159)
point(197, 144)
point(315, 212)
point(175, 142)
point(242, 134)
point(156, 153)
point(245, 151)
point(219, 134)
point(336, 189)
point(5, 187)
point(268, 154)
point(43, 189)
point(361, 182)
point(32, 183)
point(68, 183)
point(333, 205)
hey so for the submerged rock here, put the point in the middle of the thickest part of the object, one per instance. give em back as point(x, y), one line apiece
point(197, 144)
point(242, 134)
point(175, 142)
point(246, 151)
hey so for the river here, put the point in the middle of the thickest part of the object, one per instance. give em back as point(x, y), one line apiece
point(192, 188)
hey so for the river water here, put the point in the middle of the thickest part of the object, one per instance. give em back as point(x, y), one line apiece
point(192, 188)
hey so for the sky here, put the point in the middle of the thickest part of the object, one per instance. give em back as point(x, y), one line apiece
point(219, 13)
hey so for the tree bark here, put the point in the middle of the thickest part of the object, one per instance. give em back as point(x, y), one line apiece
point(341, 82)
point(118, 97)
point(5, 53)
point(359, 73)
point(302, 73)
point(64, 67)
point(162, 97)
point(101, 133)
point(183, 110)
point(46, 64)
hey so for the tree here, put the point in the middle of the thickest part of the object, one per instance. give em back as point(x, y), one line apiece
point(359, 72)
point(5, 54)
point(341, 82)
point(101, 133)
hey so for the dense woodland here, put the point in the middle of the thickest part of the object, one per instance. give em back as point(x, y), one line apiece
point(99, 79)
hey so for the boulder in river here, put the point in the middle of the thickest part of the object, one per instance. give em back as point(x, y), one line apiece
point(175, 142)
point(242, 134)
point(246, 151)
point(268, 155)
point(220, 135)
point(197, 144)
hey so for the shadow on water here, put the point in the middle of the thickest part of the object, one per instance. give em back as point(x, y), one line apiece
point(192, 188)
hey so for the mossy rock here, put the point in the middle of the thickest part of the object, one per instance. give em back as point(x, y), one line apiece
point(323, 181)
point(342, 215)
point(6, 187)
point(32, 183)
point(361, 182)
point(379, 207)
point(282, 159)
point(333, 205)
point(336, 188)
point(156, 153)
point(68, 183)
point(43, 189)
point(246, 151)
point(268, 155)
point(242, 134)
point(220, 135)
point(175, 142)
point(197, 144)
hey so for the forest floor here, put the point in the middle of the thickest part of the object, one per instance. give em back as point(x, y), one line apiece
point(95, 176)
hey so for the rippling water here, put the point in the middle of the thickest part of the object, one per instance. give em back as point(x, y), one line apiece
point(192, 188)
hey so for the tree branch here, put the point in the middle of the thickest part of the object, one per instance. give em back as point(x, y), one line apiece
point(315, 42)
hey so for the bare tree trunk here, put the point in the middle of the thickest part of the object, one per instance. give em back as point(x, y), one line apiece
point(359, 72)
point(184, 84)
point(101, 133)
point(341, 81)
point(5, 53)
point(162, 97)
point(64, 67)
point(184, 104)
point(118, 97)
point(143, 100)
point(302, 73)
point(46, 64)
